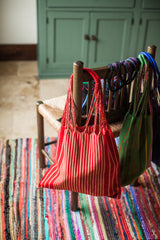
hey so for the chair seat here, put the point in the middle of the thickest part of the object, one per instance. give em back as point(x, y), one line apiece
point(52, 110)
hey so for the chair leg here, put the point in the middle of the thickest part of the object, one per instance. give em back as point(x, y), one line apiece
point(40, 129)
point(74, 201)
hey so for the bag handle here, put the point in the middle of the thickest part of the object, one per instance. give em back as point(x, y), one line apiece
point(155, 69)
point(152, 61)
point(69, 112)
point(97, 103)
point(145, 95)
point(139, 102)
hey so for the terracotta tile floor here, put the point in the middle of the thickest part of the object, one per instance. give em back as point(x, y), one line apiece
point(19, 91)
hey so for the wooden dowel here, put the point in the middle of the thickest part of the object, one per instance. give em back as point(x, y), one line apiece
point(152, 50)
point(77, 89)
point(116, 98)
point(109, 104)
point(77, 98)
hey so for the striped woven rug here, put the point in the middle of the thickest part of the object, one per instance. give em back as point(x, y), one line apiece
point(31, 213)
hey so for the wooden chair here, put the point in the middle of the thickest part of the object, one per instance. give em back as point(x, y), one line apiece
point(52, 109)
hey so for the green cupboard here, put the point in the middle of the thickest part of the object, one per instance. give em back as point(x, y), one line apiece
point(110, 35)
point(150, 32)
point(65, 40)
point(95, 32)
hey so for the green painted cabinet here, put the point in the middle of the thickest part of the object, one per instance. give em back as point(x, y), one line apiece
point(91, 3)
point(66, 40)
point(149, 32)
point(112, 34)
point(97, 32)
point(87, 37)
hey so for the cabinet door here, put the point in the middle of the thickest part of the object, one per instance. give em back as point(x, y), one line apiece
point(149, 33)
point(112, 32)
point(65, 41)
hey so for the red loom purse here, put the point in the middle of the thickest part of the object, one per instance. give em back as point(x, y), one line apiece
point(87, 158)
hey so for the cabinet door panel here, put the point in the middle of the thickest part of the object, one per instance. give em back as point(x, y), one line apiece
point(148, 4)
point(112, 31)
point(149, 33)
point(66, 42)
point(91, 3)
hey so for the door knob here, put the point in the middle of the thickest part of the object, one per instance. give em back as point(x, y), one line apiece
point(93, 38)
point(86, 37)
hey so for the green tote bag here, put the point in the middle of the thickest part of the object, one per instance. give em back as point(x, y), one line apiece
point(135, 141)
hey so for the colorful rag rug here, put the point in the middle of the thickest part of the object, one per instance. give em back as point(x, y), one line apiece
point(30, 213)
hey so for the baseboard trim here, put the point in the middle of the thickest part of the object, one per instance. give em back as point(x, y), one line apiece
point(13, 52)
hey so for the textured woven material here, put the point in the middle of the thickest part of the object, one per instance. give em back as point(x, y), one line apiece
point(87, 159)
point(44, 214)
point(155, 100)
point(135, 148)
point(52, 110)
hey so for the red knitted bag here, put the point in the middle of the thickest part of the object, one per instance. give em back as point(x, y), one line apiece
point(87, 159)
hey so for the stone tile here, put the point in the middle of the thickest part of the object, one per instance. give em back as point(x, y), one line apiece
point(24, 123)
point(17, 93)
point(52, 88)
point(8, 68)
point(28, 68)
point(6, 123)
point(18, 98)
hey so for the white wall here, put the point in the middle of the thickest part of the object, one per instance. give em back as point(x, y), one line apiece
point(18, 22)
